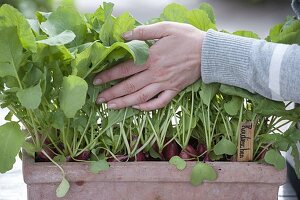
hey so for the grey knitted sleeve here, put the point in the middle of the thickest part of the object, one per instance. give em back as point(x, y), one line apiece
point(272, 70)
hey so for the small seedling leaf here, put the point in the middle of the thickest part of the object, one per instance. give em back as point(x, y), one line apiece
point(98, 166)
point(178, 162)
point(201, 172)
point(63, 188)
point(273, 157)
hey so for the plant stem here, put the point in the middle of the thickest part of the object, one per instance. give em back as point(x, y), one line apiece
point(55, 163)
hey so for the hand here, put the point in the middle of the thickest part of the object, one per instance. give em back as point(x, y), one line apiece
point(173, 64)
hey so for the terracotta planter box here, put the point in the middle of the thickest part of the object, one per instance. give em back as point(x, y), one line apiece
point(152, 181)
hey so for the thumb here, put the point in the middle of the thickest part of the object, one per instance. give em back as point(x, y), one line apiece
point(149, 32)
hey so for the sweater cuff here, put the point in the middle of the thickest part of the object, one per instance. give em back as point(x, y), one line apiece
point(225, 59)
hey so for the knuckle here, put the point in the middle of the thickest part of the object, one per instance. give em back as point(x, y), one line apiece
point(121, 103)
point(124, 70)
point(159, 73)
point(150, 61)
point(142, 98)
point(140, 32)
point(176, 85)
point(166, 24)
point(169, 27)
point(129, 87)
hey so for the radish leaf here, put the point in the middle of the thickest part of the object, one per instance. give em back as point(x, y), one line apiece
point(175, 12)
point(106, 31)
point(60, 39)
point(10, 52)
point(30, 97)
point(65, 18)
point(125, 22)
point(74, 89)
point(273, 157)
point(178, 162)
point(202, 172)
point(248, 34)
point(209, 10)
point(225, 146)
point(63, 188)
point(98, 166)
point(233, 106)
point(208, 92)
point(200, 19)
point(295, 154)
point(11, 18)
point(11, 140)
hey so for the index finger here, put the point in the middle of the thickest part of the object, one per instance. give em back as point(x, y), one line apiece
point(122, 70)
point(150, 32)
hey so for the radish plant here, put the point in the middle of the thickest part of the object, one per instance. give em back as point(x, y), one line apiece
point(46, 72)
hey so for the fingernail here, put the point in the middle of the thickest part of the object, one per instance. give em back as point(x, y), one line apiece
point(111, 106)
point(136, 107)
point(100, 100)
point(127, 35)
point(97, 81)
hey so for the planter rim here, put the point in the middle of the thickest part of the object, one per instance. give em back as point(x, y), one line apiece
point(148, 171)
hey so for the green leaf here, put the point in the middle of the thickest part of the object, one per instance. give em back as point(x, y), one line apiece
point(63, 188)
point(72, 95)
point(97, 55)
point(178, 162)
point(268, 107)
point(296, 156)
point(290, 26)
point(98, 166)
point(139, 51)
point(12, 18)
point(214, 157)
point(289, 32)
point(60, 158)
point(30, 148)
point(42, 16)
point(234, 91)
point(274, 32)
point(34, 25)
point(57, 119)
point(123, 23)
point(10, 52)
point(202, 172)
point(288, 38)
point(208, 92)
point(60, 39)
point(92, 55)
point(175, 12)
point(31, 97)
point(116, 116)
point(209, 10)
point(293, 134)
point(225, 146)
point(200, 20)
point(233, 106)
point(65, 18)
point(9, 116)
point(11, 140)
point(248, 34)
point(154, 154)
point(106, 31)
point(273, 157)
point(32, 77)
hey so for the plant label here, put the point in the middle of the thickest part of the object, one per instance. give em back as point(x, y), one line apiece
point(245, 142)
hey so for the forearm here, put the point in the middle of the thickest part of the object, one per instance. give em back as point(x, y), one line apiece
point(272, 70)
